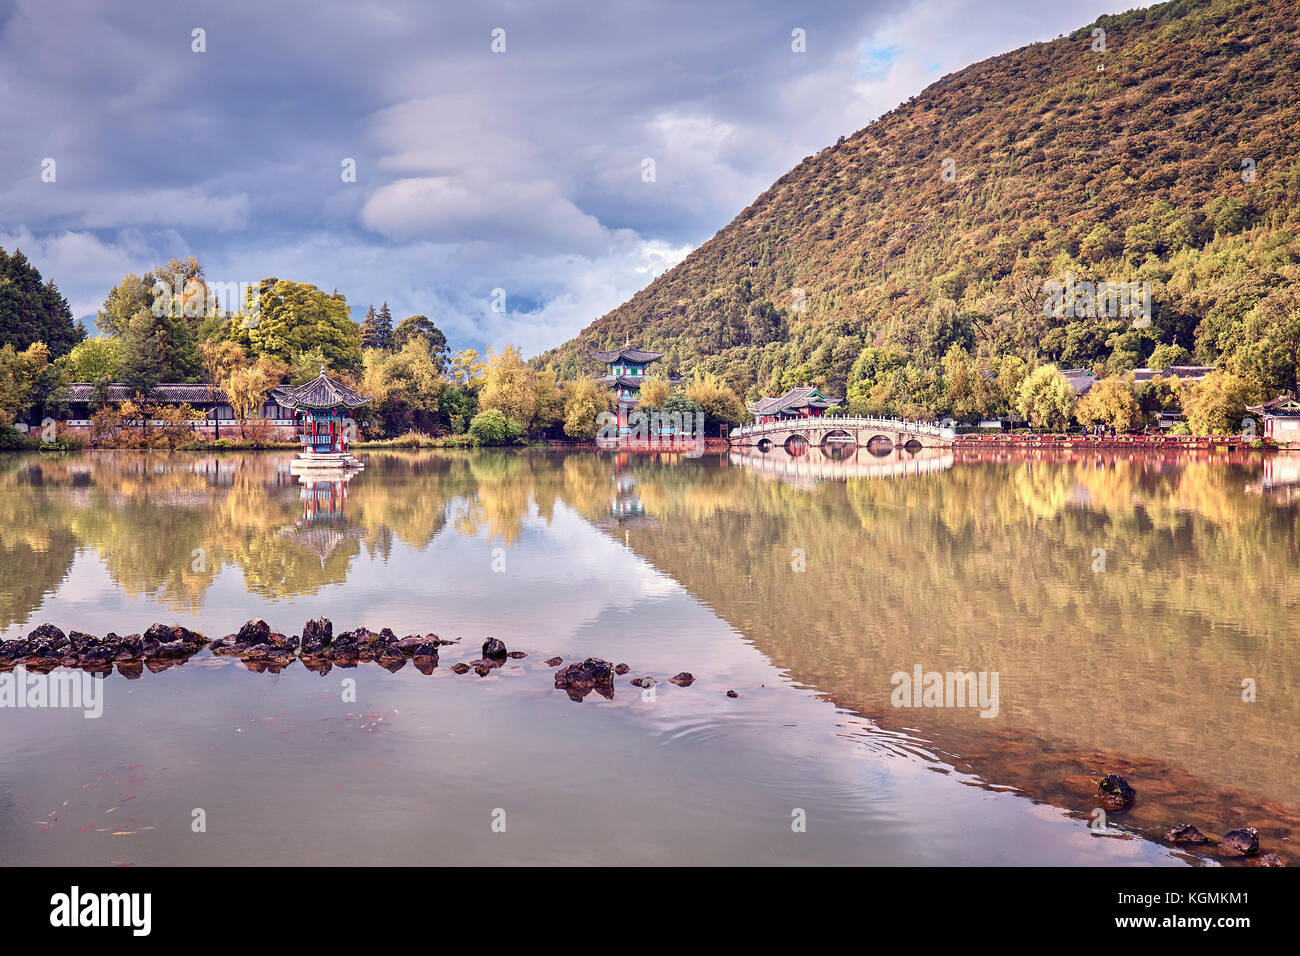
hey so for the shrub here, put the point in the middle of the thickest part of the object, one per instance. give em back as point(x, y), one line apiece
point(492, 427)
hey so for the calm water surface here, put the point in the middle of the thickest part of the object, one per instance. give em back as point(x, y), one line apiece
point(949, 561)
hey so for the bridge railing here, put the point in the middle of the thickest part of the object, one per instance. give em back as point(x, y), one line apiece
point(846, 422)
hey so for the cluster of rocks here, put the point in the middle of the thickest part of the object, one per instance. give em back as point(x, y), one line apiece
point(320, 649)
point(594, 674)
point(262, 649)
point(1117, 795)
point(47, 647)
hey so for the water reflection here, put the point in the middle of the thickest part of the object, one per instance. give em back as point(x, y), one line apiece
point(951, 559)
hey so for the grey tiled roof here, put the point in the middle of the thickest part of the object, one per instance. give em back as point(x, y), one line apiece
point(1080, 379)
point(632, 355)
point(1188, 372)
point(323, 392)
point(177, 392)
point(802, 397)
point(631, 381)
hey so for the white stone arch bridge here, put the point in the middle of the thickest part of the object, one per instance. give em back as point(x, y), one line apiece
point(862, 431)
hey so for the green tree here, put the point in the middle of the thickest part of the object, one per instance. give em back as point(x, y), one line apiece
point(32, 310)
point(1110, 402)
point(491, 427)
point(1273, 333)
point(1163, 356)
point(1046, 398)
point(721, 406)
point(294, 317)
point(420, 325)
point(159, 348)
point(21, 379)
point(405, 387)
point(95, 360)
point(967, 391)
point(1216, 405)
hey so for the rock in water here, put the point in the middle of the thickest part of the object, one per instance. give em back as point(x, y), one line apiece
point(1186, 833)
point(1270, 859)
point(316, 633)
point(1115, 793)
point(732, 693)
point(256, 631)
point(47, 634)
point(1243, 842)
point(494, 650)
point(643, 682)
point(554, 661)
point(684, 679)
point(417, 646)
point(460, 668)
point(588, 674)
point(621, 669)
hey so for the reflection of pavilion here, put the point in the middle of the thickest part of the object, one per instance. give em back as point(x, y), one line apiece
point(324, 525)
point(626, 505)
point(836, 463)
point(1280, 481)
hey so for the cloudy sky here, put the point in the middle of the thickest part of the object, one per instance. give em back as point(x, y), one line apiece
point(523, 170)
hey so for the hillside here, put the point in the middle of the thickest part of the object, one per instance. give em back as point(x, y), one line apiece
point(1133, 172)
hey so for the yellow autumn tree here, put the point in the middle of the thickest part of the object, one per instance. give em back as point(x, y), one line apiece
point(508, 386)
point(584, 400)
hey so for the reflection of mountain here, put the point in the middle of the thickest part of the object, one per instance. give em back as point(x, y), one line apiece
point(990, 567)
point(971, 560)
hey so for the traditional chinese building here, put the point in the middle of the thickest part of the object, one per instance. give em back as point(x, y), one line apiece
point(626, 371)
point(1281, 419)
point(75, 405)
point(325, 427)
point(803, 402)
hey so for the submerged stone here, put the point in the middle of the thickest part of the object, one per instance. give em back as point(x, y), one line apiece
point(1114, 792)
point(1186, 833)
point(1242, 842)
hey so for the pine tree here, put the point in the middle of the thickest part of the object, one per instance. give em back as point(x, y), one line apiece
point(33, 310)
point(384, 328)
point(370, 338)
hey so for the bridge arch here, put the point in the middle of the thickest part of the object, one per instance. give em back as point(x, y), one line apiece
point(838, 436)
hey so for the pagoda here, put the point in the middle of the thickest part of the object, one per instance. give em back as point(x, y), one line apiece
point(322, 406)
point(1281, 419)
point(626, 371)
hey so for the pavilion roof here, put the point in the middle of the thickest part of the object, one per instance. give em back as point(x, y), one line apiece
point(323, 392)
point(805, 396)
point(632, 355)
point(1285, 404)
point(631, 381)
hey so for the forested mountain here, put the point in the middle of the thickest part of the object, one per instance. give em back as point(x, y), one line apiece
point(1163, 150)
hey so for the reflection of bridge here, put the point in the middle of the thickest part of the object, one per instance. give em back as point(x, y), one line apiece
point(848, 430)
point(821, 464)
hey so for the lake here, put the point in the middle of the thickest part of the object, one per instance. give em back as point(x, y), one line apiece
point(1120, 605)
